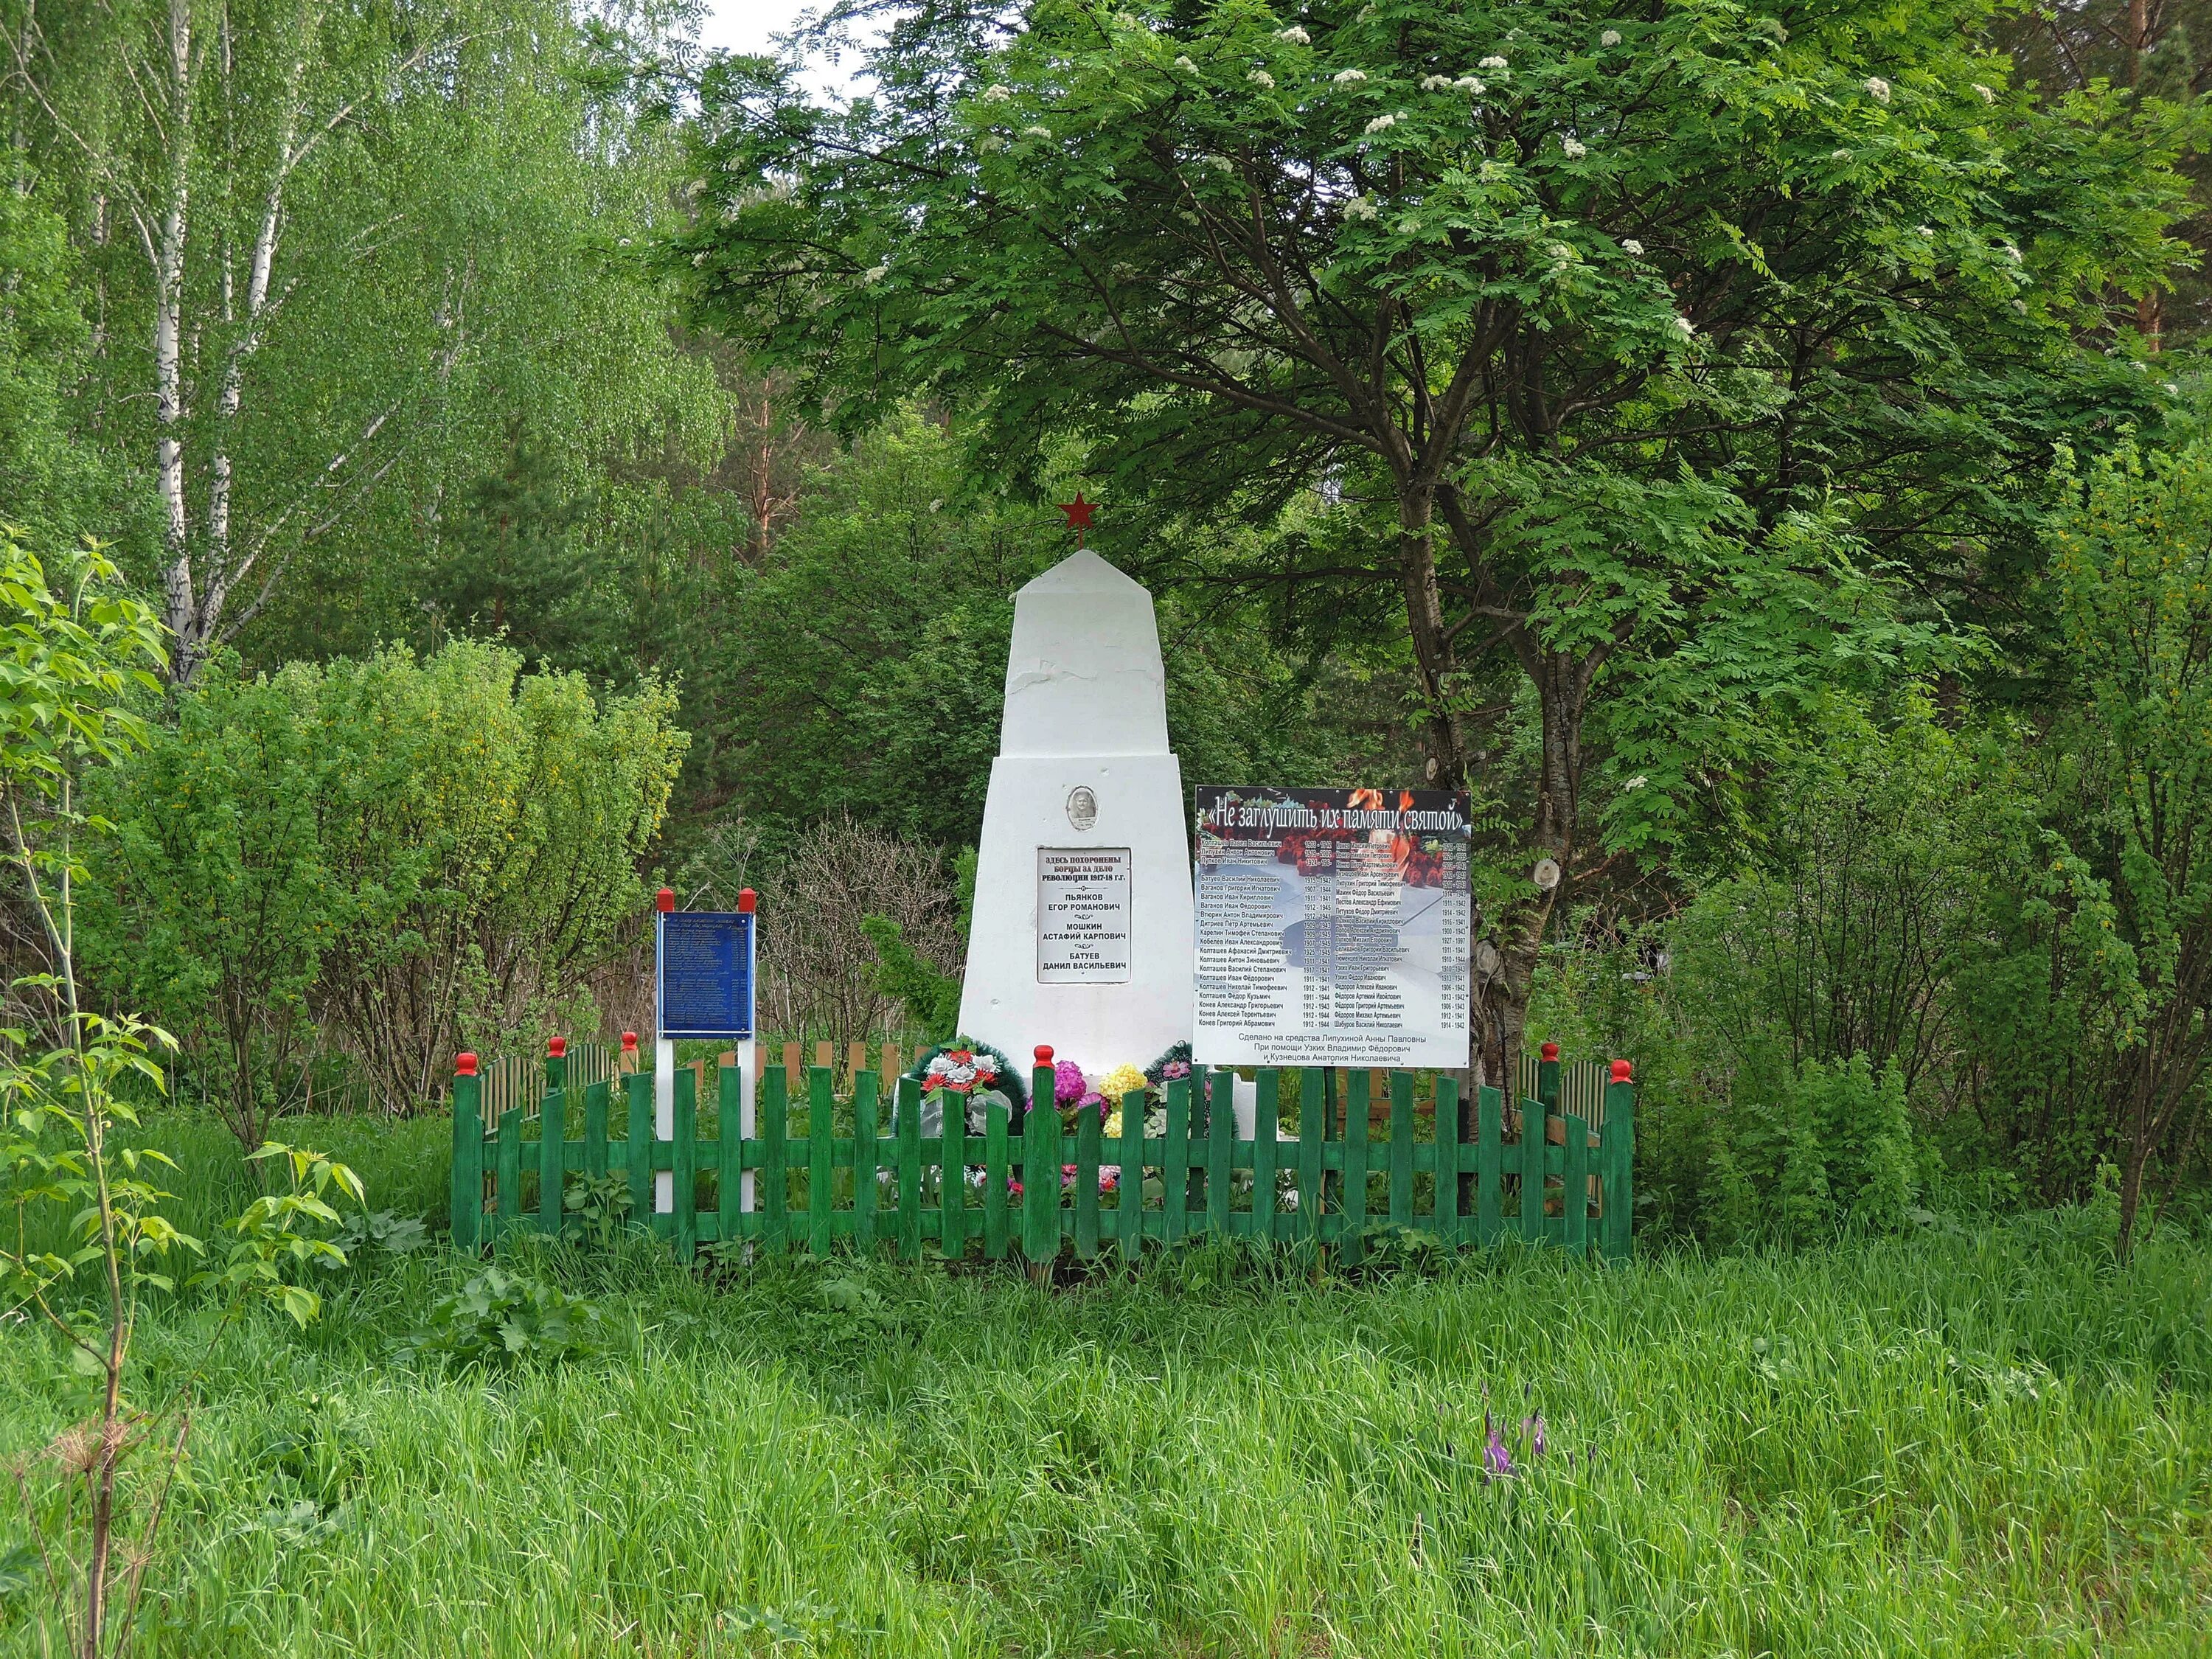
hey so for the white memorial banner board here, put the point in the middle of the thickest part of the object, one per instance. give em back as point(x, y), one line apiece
point(1332, 927)
point(1083, 915)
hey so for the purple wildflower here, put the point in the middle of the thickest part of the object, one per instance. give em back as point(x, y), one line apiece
point(1533, 1428)
point(1496, 1461)
point(1068, 1084)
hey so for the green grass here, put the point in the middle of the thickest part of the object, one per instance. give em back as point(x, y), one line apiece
point(1989, 1443)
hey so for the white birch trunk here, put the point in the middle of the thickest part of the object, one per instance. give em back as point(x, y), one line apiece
point(180, 601)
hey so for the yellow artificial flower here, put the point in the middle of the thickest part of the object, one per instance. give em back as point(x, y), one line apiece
point(1121, 1081)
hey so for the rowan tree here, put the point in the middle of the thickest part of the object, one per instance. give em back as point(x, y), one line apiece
point(1673, 355)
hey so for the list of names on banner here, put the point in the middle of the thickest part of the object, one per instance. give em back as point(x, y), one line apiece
point(1332, 927)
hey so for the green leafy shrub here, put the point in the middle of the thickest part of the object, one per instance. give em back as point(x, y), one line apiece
point(419, 854)
point(500, 1318)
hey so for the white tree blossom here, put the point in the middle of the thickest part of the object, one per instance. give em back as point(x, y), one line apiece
point(996, 93)
point(1349, 77)
point(1186, 66)
point(1574, 147)
point(1036, 132)
point(1362, 207)
point(1493, 62)
point(1468, 84)
point(1988, 97)
point(1629, 244)
point(1878, 87)
point(1436, 83)
point(1381, 124)
point(1610, 38)
point(1260, 78)
point(1295, 35)
point(1688, 328)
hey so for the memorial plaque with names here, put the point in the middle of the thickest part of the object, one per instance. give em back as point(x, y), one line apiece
point(1083, 915)
point(1332, 927)
point(706, 973)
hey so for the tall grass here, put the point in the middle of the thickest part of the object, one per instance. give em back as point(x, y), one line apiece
point(1995, 1442)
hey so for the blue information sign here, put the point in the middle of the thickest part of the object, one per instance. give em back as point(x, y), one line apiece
point(706, 974)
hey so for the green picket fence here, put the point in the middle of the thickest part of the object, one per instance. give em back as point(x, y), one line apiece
point(827, 1175)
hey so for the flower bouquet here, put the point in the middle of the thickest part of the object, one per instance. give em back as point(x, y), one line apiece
point(964, 1067)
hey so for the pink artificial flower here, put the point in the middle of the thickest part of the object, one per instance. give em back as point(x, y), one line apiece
point(1068, 1084)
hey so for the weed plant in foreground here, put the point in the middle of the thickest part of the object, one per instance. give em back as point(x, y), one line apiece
point(1990, 1443)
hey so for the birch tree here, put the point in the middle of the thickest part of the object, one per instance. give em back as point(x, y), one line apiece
point(299, 213)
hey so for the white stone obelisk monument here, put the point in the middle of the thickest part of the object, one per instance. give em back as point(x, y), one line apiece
point(1082, 935)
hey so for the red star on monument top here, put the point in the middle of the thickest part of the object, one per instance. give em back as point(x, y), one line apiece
point(1078, 512)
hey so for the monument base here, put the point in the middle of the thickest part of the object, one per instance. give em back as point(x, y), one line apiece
point(1099, 999)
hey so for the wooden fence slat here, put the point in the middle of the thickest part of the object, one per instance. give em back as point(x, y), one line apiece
point(1175, 1162)
point(1312, 1117)
point(1401, 1149)
point(793, 1072)
point(1221, 1150)
point(729, 1150)
point(865, 1154)
point(821, 1151)
point(774, 1149)
point(1131, 1177)
point(995, 1125)
point(825, 1056)
point(1534, 1127)
point(684, 1161)
point(1267, 1122)
point(510, 1170)
point(595, 1128)
point(1490, 1164)
point(1574, 1187)
point(953, 1175)
point(1444, 1133)
point(1620, 1164)
point(856, 1061)
point(637, 1149)
point(906, 1117)
point(1041, 1167)
point(467, 1189)
point(1086, 1183)
point(1358, 1120)
point(553, 1127)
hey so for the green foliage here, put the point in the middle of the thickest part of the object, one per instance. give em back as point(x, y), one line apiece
point(514, 565)
point(1855, 884)
point(212, 904)
point(1550, 320)
point(595, 1209)
point(54, 483)
point(422, 854)
point(500, 1318)
point(930, 997)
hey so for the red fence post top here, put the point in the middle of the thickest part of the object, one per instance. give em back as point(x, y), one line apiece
point(1044, 1053)
point(1621, 1070)
point(665, 900)
point(746, 900)
point(465, 1065)
point(1550, 1051)
point(629, 1043)
point(556, 1046)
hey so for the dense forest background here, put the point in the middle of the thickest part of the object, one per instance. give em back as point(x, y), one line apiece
point(509, 566)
